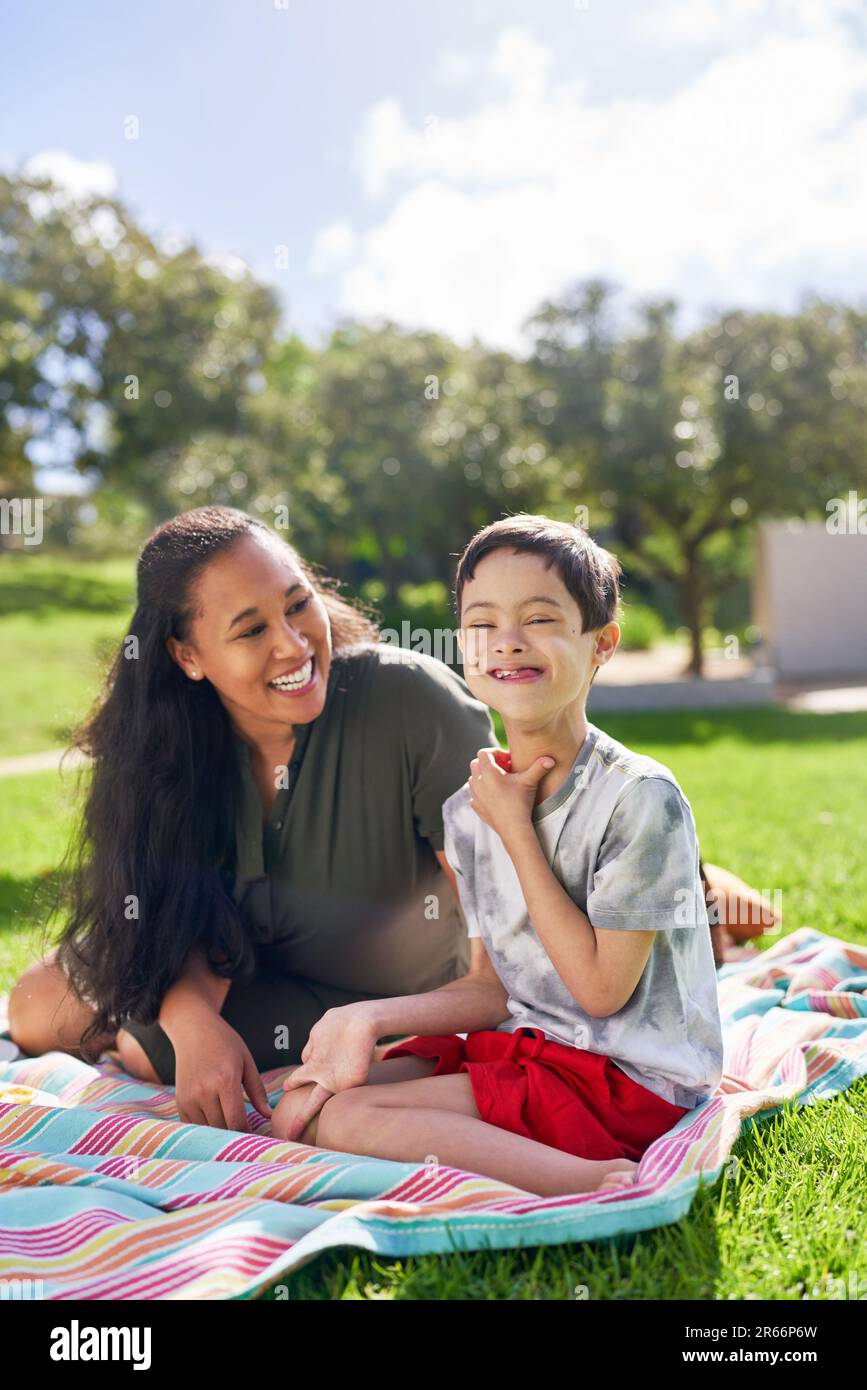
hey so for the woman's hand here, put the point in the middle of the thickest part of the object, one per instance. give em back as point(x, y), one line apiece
point(504, 800)
point(336, 1056)
point(213, 1068)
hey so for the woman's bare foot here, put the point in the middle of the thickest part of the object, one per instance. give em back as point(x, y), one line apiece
point(737, 912)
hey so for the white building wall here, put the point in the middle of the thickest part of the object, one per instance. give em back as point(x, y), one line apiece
point(810, 600)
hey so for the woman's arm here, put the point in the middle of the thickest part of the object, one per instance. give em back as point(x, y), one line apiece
point(213, 1065)
point(197, 986)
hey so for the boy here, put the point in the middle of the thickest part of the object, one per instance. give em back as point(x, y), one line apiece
point(590, 1008)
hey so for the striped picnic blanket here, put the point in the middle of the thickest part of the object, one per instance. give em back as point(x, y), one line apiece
point(104, 1194)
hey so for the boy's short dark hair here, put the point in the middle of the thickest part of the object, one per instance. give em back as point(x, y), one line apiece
point(590, 573)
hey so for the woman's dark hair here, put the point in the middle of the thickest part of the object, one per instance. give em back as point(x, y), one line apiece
point(148, 876)
point(590, 573)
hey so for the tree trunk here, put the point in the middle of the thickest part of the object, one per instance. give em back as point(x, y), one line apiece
point(693, 608)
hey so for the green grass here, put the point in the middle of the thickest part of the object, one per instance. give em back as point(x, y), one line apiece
point(36, 819)
point(779, 798)
point(58, 625)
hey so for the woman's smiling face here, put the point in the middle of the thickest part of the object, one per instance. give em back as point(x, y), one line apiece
point(521, 634)
point(261, 636)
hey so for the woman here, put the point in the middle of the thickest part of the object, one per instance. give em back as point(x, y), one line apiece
point(262, 837)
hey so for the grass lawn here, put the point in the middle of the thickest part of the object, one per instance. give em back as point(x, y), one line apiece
point(778, 797)
point(58, 625)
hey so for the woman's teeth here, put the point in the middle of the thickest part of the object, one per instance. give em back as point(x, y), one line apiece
point(296, 679)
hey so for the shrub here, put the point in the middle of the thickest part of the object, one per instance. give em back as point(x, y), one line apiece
point(641, 627)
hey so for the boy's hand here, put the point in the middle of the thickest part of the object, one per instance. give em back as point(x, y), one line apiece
point(336, 1056)
point(504, 800)
point(338, 1051)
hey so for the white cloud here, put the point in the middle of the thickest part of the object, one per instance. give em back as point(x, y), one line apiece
point(736, 23)
point(453, 68)
point(745, 185)
point(465, 262)
point(521, 62)
point(332, 249)
point(79, 177)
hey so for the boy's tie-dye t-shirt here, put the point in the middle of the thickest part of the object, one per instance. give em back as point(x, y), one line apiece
point(620, 837)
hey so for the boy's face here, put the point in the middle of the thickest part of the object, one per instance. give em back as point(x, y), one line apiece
point(525, 653)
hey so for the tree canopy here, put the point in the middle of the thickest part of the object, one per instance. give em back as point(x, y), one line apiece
point(162, 376)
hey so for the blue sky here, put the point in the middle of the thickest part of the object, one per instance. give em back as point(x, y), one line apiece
point(450, 164)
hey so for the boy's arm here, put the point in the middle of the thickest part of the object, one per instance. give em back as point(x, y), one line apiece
point(476, 1001)
point(600, 968)
point(646, 861)
point(338, 1053)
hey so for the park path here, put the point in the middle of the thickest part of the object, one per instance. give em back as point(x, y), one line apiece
point(39, 762)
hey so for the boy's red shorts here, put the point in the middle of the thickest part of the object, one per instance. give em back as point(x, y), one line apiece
point(570, 1099)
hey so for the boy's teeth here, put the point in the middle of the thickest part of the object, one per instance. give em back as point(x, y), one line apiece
point(300, 677)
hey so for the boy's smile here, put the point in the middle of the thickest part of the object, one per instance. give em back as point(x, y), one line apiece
point(514, 674)
point(526, 653)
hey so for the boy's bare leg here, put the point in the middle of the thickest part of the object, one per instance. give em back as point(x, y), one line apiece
point(397, 1069)
point(410, 1120)
point(291, 1103)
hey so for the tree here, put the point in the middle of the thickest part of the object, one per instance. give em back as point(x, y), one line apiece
point(687, 442)
point(117, 351)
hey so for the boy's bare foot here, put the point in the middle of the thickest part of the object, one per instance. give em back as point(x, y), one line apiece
point(599, 1175)
point(619, 1178)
